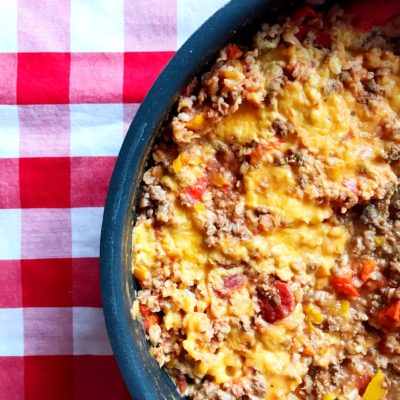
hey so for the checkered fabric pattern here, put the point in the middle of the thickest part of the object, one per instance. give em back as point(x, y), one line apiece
point(72, 75)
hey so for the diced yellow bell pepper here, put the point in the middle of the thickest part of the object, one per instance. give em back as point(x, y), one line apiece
point(199, 207)
point(141, 273)
point(197, 123)
point(323, 271)
point(177, 164)
point(344, 307)
point(375, 389)
point(313, 313)
point(328, 396)
point(231, 74)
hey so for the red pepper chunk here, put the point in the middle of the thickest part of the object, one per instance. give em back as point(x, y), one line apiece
point(232, 51)
point(181, 384)
point(344, 285)
point(274, 309)
point(367, 268)
point(149, 318)
point(322, 39)
point(389, 317)
point(362, 382)
point(194, 193)
point(234, 282)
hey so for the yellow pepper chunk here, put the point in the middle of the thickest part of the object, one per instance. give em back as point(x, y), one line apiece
point(313, 313)
point(177, 164)
point(328, 396)
point(197, 123)
point(375, 389)
point(199, 207)
point(344, 307)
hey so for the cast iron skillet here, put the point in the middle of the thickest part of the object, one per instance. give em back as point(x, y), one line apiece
point(236, 21)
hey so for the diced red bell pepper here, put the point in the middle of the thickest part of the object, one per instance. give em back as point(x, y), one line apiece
point(276, 308)
point(149, 318)
point(389, 317)
point(394, 311)
point(362, 382)
point(181, 384)
point(373, 12)
point(344, 285)
point(195, 192)
point(304, 12)
point(231, 283)
point(232, 51)
point(144, 311)
point(367, 268)
point(234, 282)
point(322, 39)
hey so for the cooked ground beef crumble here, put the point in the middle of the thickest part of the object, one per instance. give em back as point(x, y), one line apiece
point(267, 246)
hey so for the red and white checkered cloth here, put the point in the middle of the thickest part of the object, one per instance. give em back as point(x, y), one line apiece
point(72, 73)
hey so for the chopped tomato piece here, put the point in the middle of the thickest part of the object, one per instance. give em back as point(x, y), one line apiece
point(278, 306)
point(303, 13)
point(195, 192)
point(234, 282)
point(362, 382)
point(322, 39)
point(232, 51)
point(149, 318)
point(389, 317)
point(344, 285)
point(367, 268)
point(144, 311)
point(231, 283)
point(181, 384)
point(373, 12)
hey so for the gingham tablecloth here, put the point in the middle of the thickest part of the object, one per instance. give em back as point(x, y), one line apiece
point(72, 74)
